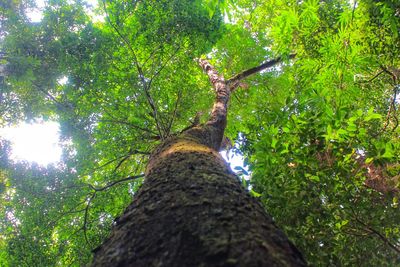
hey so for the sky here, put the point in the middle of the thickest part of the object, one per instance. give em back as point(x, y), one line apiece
point(37, 142)
point(35, 15)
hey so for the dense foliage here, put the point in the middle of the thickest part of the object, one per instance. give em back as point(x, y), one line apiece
point(319, 132)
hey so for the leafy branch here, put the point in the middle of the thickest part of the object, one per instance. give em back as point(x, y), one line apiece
point(146, 86)
point(394, 73)
point(174, 113)
point(370, 230)
point(85, 218)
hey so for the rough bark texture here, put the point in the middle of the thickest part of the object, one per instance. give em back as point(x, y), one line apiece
point(192, 210)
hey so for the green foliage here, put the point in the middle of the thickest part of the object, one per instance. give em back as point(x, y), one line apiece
point(319, 133)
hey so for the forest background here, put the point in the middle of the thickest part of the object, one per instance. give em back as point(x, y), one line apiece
point(318, 132)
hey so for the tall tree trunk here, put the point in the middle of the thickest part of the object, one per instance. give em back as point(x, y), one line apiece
point(192, 209)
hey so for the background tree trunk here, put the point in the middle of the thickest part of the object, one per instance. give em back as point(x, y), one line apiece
point(193, 211)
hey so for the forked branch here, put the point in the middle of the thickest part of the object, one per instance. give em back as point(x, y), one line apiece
point(223, 88)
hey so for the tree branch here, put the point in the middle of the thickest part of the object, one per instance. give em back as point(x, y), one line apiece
point(369, 229)
point(85, 218)
point(146, 86)
point(93, 195)
point(234, 81)
point(174, 112)
point(96, 189)
point(123, 157)
point(384, 239)
point(219, 111)
point(222, 90)
point(129, 124)
point(376, 76)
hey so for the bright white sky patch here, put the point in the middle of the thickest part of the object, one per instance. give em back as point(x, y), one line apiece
point(36, 14)
point(235, 160)
point(38, 142)
point(63, 80)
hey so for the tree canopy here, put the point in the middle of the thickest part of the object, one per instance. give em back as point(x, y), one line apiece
point(318, 131)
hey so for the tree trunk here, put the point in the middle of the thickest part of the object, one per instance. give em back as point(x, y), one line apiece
point(192, 209)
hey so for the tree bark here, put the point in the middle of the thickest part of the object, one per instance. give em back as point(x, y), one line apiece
point(192, 209)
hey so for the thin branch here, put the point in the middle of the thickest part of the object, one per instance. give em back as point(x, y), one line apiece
point(165, 63)
point(158, 118)
point(122, 161)
point(376, 76)
point(369, 229)
point(152, 54)
point(128, 124)
point(130, 153)
point(162, 66)
point(393, 105)
point(139, 69)
point(174, 112)
point(234, 81)
point(85, 220)
point(58, 104)
point(107, 163)
point(70, 211)
point(128, 44)
point(393, 100)
point(154, 112)
point(394, 77)
point(115, 182)
point(385, 240)
point(355, 233)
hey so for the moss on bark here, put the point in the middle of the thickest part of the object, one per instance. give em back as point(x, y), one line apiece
point(192, 211)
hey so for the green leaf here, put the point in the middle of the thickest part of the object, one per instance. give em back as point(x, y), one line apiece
point(254, 193)
point(369, 160)
point(389, 153)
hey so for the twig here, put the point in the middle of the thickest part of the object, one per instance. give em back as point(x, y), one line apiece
point(140, 70)
point(129, 124)
point(70, 211)
point(131, 152)
point(85, 220)
point(122, 161)
point(96, 189)
point(393, 105)
point(384, 239)
point(174, 112)
point(234, 81)
point(165, 129)
point(376, 76)
point(165, 64)
point(393, 101)
point(369, 229)
point(394, 77)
